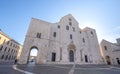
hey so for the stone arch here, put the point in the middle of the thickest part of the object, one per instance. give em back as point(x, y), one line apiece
point(108, 61)
point(71, 51)
point(32, 59)
point(71, 46)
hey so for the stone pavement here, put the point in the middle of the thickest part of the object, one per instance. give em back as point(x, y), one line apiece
point(59, 69)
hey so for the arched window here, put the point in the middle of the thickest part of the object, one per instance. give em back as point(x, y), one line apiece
point(6, 57)
point(58, 26)
point(5, 49)
point(70, 19)
point(67, 27)
point(70, 36)
point(38, 35)
point(9, 50)
point(2, 57)
point(9, 57)
point(54, 34)
point(83, 40)
point(92, 33)
point(70, 23)
point(1, 48)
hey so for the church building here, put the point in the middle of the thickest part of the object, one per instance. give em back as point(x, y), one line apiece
point(110, 52)
point(61, 43)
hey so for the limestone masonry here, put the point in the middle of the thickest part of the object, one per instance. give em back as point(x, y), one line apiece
point(9, 49)
point(110, 52)
point(61, 43)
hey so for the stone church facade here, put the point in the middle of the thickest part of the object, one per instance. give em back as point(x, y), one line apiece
point(61, 43)
point(110, 52)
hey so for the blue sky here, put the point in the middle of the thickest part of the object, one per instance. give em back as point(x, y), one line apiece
point(102, 15)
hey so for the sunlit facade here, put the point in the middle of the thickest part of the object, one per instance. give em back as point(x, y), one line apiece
point(110, 52)
point(8, 49)
point(61, 43)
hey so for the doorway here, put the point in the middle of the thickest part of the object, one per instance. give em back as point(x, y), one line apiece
point(53, 57)
point(118, 61)
point(108, 60)
point(86, 58)
point(71, 56)
point(33, 55)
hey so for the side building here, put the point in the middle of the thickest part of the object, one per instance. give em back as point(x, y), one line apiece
point(9, 49)
point(110, 52)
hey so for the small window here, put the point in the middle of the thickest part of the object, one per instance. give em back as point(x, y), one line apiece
point(2, 57)
point(6, 57)
point(70, 36)
point(11, 44)
point(105, 47)
point(80, 32)
point(38, 35)
point(73, 29)
point(67, 27)
point(92, 33)
point(9, 57)
point(9, 50)
point(8, 43)
point(58, 26)
point(54, 34)
point(70, 19)
point(1, 48)
point(70, 23)
point(83, 40)
point(5, 49)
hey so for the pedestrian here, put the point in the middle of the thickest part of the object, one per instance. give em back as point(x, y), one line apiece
point(15, 61)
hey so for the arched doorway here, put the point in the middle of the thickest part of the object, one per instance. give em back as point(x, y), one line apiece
point(71, 56)
point(33, 55)
point(71, 51)
point(108, 60)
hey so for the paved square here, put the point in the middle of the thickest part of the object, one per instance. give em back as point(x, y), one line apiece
point(59, 69)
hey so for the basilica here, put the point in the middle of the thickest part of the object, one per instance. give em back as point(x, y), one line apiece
point(62, 42)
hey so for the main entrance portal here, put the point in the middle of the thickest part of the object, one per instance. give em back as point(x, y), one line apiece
point(71, 56)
